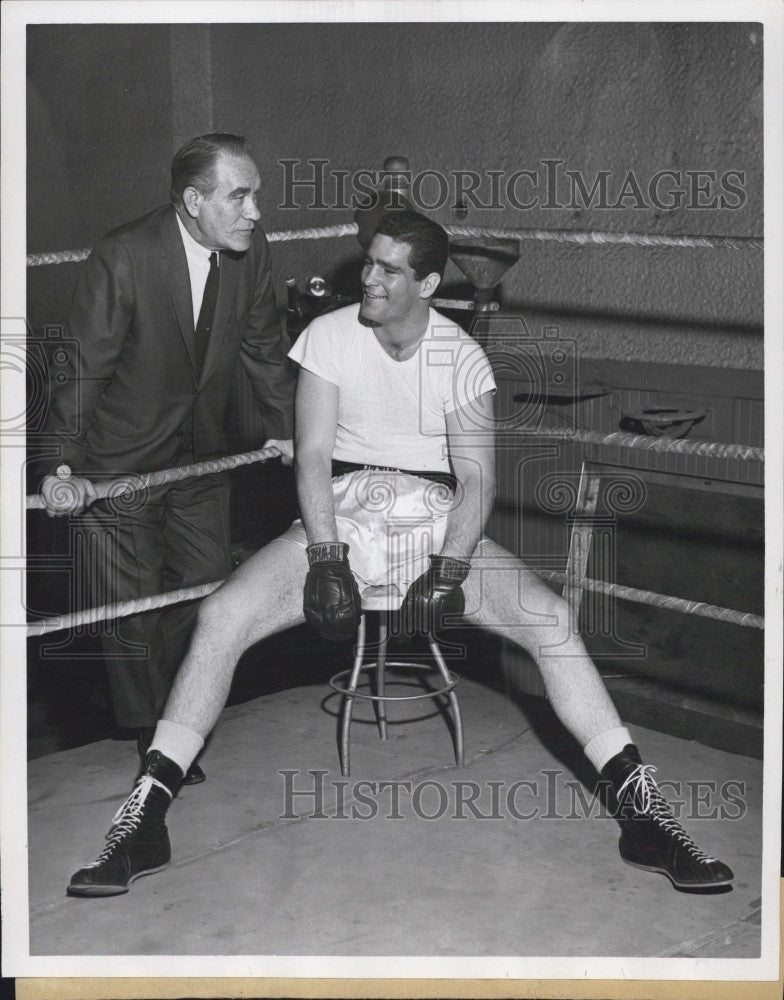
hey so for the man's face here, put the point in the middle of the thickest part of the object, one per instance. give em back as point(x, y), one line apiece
point(391, 292)
point(224, 220)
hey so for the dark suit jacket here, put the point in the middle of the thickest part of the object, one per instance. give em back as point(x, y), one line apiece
point(133, 400)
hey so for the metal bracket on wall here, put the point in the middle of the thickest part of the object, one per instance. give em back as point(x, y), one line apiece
point(582, 534)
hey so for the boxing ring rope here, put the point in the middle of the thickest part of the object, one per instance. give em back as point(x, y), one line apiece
point(679, 446)
point(134, 483)
point(584, 237)
point(276, 236)
point(125, 608)
point(579, 236)
point(698, 608)
point(120, 610)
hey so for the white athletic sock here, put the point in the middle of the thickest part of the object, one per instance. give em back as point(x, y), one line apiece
point(177, 742)
point(606, 745)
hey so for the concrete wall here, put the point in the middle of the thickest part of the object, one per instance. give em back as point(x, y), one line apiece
point(107, 106)
point(99, 136)
point(99, 129)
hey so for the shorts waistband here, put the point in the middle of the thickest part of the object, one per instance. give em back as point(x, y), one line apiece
point(340, 468)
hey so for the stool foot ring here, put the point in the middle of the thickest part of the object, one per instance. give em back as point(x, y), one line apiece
point(350, 692)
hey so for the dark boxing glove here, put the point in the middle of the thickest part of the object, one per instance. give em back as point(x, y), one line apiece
point(433, 595)
point(331, 600)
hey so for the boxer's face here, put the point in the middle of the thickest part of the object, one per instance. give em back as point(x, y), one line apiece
point(391, 292)
point(224, 219)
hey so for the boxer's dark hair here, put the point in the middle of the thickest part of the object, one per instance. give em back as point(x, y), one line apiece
point(428, 242)
point(194, 163)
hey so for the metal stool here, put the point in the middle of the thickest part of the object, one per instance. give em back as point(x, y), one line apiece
point(385, 599)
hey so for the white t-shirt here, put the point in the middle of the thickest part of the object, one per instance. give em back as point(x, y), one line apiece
point(392, 413)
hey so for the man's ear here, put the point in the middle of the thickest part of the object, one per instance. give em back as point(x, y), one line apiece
point(429, 285)
point(191, 200)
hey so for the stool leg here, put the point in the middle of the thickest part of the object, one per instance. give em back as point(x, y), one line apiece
point(381, 666)
point(458, 719)
point(348, 701)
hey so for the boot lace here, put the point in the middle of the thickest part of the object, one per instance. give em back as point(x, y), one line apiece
point(649, 800)
point(128, 817)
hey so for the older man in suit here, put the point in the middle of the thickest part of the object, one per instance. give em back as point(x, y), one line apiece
point(163, 309)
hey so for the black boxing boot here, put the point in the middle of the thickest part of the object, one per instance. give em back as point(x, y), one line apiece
point(138, 842)
point(331, 601)
point(651, 837)
point(193, 776)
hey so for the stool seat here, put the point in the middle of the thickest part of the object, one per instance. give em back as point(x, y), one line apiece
point(385, 599)
point(382, 598)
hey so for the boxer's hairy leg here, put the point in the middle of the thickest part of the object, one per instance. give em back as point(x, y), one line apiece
point(263, 596)
point(505, 597)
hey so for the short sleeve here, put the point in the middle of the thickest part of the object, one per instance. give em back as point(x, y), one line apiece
point(470, 377)
point(317, 349)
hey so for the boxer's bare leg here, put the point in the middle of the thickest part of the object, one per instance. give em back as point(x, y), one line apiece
point(505, 597)
point(263, 596)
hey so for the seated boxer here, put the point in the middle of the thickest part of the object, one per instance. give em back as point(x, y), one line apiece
point(395, 476)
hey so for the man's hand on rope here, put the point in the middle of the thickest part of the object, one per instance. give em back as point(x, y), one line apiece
point(65, 493)
point(285, 448)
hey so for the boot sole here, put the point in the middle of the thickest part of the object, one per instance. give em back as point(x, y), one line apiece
point(111, 890)
point(671, 877)
point(194, 777)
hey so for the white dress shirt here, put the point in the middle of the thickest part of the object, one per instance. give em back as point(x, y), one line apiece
point(198, 258)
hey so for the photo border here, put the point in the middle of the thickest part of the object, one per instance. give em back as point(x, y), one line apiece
point(471, 980)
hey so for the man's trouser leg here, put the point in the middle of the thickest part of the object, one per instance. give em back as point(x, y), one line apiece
point(168, 539)
point(198, 550)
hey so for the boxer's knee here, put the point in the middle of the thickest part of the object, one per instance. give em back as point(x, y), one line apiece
point(224, 619)
point(513, 602)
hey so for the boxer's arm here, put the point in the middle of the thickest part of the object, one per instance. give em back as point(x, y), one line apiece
point(435, 598)
point(472, 452)
point(316, 427)
point(331, 601)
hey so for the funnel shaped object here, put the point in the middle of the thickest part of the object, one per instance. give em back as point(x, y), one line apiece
point(484, 261)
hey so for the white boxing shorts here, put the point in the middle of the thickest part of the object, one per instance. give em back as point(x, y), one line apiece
point(391, 522)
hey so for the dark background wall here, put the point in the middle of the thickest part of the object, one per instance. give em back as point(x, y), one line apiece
point(100, 127)
point(107, 106)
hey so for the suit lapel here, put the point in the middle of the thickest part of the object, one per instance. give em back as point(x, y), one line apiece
point(179, 283)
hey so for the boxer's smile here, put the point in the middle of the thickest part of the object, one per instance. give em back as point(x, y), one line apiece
point(390, 288)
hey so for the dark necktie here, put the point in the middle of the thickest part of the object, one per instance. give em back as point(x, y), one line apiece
point(207, 311)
